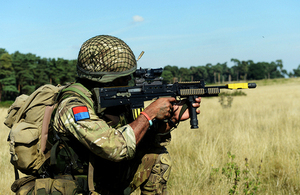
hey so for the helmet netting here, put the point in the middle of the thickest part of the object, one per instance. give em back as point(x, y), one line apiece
point(105, 53)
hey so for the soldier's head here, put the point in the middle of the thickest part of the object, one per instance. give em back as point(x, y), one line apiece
point(105, 59)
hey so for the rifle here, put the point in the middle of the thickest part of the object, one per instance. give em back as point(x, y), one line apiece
point(148, 86)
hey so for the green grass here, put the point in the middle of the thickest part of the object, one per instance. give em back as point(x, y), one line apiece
point(6, 104)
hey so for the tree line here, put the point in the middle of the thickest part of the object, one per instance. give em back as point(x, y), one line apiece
point(23, 73)
point(219, 73)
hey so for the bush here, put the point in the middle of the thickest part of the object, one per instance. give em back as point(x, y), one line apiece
point(6, 104)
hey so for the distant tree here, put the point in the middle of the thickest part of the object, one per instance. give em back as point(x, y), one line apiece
point(241, 68)
point(280, 71)
point(211, 73)
point(296, 72)
point(24, 66)
point(2, 51)
point(173, 69)
point(199, 73)
point(65, 71)
point(244, 69)
point(236, 68)
point(256, 71)
point(193, 71)
point(52, 70)
point(41, 73)
point(7, 77)
point(70, 71)
point(221, 71)
point(218, 71)
point(167, 76)
point(184, 74)
point(270, 68)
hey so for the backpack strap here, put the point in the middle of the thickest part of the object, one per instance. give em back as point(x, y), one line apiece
point(17, 176)
point(45, 127)
point(78, 91)
point(91, 173)
point(73, 88)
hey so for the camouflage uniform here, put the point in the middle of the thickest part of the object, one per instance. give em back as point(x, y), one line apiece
point(120, 165)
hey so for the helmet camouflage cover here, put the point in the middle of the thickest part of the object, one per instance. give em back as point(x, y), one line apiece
point(104, 58)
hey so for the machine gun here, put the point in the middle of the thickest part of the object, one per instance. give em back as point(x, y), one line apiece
point(148, 86)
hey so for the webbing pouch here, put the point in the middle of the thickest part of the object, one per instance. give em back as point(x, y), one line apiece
point(20, 183)
point(55, 187)
point(61, 148)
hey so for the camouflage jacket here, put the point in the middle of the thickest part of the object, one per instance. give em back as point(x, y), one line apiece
point(74, 115)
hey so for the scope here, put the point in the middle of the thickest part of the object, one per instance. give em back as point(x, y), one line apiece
point(148, 73)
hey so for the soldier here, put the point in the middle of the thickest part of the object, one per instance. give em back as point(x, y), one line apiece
point(111, 152)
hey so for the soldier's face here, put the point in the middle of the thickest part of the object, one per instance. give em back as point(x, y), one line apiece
point(122, 81)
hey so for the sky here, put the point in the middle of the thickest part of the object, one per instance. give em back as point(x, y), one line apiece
point(177, 33)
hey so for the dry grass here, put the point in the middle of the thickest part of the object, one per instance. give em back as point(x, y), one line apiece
point(7, 176)
point(262, 126)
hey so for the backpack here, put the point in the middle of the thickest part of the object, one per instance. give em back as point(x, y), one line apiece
point(29, 118)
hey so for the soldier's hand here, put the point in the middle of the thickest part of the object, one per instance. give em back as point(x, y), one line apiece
point(169, 108)
point(177, 108)
point(161, 108)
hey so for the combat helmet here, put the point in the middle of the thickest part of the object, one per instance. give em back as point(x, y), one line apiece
point(104, 58)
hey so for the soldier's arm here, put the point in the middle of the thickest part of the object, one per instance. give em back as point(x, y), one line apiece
point(79, 119)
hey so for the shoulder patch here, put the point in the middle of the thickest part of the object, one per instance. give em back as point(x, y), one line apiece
point(80, 113)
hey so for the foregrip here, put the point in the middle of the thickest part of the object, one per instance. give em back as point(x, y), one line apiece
point(192, 112)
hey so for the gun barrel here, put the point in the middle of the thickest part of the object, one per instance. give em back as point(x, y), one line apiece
point(241, 85)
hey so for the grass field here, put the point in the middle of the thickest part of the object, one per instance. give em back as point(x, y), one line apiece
point(262, 127)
